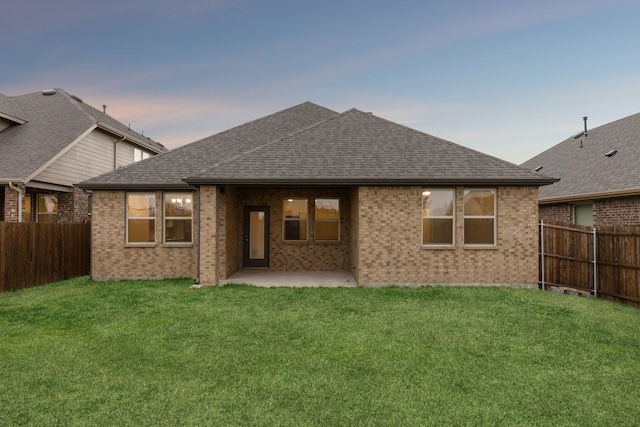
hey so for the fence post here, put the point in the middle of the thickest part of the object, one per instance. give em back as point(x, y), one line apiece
point(542, 250)
point(595, 264)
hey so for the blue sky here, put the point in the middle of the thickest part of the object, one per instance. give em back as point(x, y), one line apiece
point(508, 78)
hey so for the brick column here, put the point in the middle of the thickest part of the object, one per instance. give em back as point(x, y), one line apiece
point(11, 204)
point(208, 244)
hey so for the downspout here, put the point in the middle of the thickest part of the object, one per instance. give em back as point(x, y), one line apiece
point(197, 189)
point(20, 194)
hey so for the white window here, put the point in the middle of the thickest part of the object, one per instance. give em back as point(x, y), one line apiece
point(141, 218)
point(327, 220)
point(138, 155)
point(480, 216)
point(47, 208)
point(438, 216)
point(295, 220)
point(178, 217)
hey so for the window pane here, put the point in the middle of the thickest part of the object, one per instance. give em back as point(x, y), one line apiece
point(142, 230)
point(295, 230)
point(295, 208)
point(327, 230)
point(141, 205)
point(177, 230)
point(437, 231)
point(48, 208)
point(327, 208)
point(437, 203)
point(178, 205)
point(583, 215)
point(479, 202)
point(478, 231)
point(27, 208)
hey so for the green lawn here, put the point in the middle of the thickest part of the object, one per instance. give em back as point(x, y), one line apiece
point(158, 353)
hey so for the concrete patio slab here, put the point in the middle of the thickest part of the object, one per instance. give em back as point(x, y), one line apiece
point(292, 279)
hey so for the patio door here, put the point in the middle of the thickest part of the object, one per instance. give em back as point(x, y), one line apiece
point(256, 236)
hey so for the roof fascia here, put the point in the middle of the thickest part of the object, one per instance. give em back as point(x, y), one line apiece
point(126, 137)
point(50, 187)
point(132, 186)
point(590, 196)
point(60, 153)
point(368, 181)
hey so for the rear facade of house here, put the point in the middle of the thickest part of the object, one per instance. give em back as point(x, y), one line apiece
point(308, 189)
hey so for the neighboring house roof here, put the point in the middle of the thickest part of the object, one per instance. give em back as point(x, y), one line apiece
point(585, 170)
point(311, 145)
point(10, 110)
point(52, 122)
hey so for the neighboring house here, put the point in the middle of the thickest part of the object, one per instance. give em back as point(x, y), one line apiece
point(313, 190)
point(50, 141)
point(599, 173)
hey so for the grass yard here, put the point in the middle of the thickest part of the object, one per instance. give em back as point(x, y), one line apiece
point(158, 353)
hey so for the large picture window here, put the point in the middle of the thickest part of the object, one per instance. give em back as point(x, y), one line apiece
point(47, 208)
point(480, 216)
point(295, 223)
point(141, 218)
point(438, 208)
point(327, 221)
point(178, 217)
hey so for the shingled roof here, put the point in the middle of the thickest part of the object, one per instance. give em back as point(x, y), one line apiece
point(585, 170)
point(47, 123)
point(311, 145)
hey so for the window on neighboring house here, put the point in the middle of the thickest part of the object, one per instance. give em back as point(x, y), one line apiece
point(47, 208)
point(438, 210)
point(26, 208)
point(295, 222)
point(583, 214)
point(480, 216)
point(178, 217)
point(327, 221)
point(138, 155)
point(141, 218)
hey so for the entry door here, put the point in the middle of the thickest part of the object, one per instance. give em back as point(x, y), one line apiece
point(256, 236)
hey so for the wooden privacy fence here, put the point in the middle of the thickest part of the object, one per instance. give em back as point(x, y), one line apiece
point(36, 253)
point(604, 262)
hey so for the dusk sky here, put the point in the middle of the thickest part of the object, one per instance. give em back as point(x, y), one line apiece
point(508, 78)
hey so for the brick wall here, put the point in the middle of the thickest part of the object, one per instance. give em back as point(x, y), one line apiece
point(391, 251)
point(557, 212)
point(616, 211)
point(10, 203)
point(111, 258)
point(73, 207)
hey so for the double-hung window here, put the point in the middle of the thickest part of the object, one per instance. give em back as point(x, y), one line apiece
point(295, 220)
point(438, 210)
point(138, 155)
point(480, 216)
point(327, 220)
point(178, 217)
point(47, 208)
point(141, 218)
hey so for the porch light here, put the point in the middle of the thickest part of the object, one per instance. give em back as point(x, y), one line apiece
point(188, 201)
point(289, 200)
point(173, 200)
point(179, 201)
point(426, 193)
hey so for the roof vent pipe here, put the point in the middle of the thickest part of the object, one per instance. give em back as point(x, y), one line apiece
point(585, 125)
point(104, 108)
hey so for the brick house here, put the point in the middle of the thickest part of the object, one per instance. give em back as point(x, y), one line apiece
point(311, 189)
point(599, 176)
point(50, 141)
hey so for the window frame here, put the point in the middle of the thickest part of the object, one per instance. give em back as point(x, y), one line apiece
point(325, 220)
point(452, 217)
point(141, 156)
point(574, 213)
point(165, 218)
point(128, 218)
point(493, 217)
point(285, 220)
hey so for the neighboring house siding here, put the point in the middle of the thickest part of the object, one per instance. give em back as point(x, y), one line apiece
point(391, 251)
point(111, 258)
point(125, 154)
point(90, 157)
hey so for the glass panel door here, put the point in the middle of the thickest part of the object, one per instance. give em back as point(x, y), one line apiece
point(256, 236)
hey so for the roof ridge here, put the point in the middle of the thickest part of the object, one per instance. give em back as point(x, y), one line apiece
point(272, 142)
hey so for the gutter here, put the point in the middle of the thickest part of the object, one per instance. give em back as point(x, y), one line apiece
point(20, 194)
